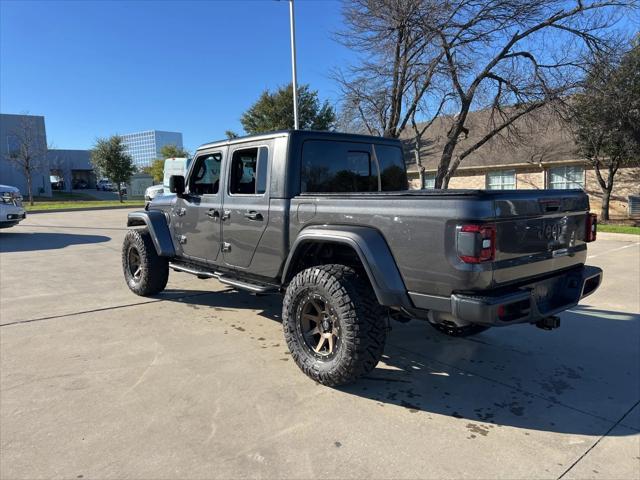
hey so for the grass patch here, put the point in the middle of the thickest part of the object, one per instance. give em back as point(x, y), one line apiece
point(62, 197)
point(618, 229)
point(75, 204)
point(68, 196)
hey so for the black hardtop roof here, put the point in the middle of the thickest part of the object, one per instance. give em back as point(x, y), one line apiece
point(302, 134)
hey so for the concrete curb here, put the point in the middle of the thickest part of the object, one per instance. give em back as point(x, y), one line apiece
point(629, 237)
point(84, 209)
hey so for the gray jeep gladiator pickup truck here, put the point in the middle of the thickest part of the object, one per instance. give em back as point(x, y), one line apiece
point(327, 219)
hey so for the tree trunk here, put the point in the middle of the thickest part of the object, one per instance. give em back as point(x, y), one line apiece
point(606, 196)
point(443, 174)
point(445, 182)
point(119, 191)
point(29, 189)
point(442, 180)
point(396, 89)
point(606, 184)
point(416, 153)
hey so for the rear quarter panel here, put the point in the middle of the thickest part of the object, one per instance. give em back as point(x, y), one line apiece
point(415, 228)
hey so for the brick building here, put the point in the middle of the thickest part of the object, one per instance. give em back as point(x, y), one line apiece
point(544, 155)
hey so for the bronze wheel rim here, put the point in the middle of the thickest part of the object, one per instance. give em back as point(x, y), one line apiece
point(319, 326)
point(134, 263)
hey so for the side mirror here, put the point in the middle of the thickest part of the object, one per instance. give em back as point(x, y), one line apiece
point(176, 185)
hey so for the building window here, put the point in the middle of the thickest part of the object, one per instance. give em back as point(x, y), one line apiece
point(566, 177)
point(429, 180)
point(501, 180)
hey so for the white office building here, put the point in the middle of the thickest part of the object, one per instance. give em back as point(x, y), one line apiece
point(144, 147)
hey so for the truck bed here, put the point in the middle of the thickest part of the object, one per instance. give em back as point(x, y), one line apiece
point(537, 232)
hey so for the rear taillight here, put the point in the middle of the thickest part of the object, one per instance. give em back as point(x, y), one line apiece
point(476, 243)
point(591, 227)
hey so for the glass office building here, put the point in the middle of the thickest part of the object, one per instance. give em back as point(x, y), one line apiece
point(144, 147)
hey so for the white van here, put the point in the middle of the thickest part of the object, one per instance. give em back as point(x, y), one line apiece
point(172, 166)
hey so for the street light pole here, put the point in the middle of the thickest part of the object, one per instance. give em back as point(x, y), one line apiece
point(293, 66)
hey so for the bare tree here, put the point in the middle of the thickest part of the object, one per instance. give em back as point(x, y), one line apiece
point(62, 167)
point(399, 60)
point(27, 151)
point(510, 57)
point(420, 129)
point(514, 57)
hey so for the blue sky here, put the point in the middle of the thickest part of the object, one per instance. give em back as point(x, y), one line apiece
point(98, 68)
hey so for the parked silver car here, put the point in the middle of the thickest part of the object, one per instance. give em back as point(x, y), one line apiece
point(11, 210)
point(105, 185)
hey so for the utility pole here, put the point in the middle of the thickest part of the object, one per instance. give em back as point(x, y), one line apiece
point(292, 22)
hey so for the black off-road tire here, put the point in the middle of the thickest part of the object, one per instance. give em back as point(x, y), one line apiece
point(362, 323)
point(153, 270)
point(453, 330)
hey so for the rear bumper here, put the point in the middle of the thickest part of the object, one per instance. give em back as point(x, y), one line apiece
point(523, 304)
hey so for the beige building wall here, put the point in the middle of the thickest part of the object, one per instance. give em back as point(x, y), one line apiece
point(627, 183)
point(414, 181)
point(465, 180)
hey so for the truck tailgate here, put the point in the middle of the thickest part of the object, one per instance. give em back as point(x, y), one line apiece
point(539, 232)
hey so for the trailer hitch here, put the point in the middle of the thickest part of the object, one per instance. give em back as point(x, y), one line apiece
point(548, 323)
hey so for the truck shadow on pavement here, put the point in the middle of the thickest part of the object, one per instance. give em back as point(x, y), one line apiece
point(578, 382)
point(267, 306)
point(30, 242)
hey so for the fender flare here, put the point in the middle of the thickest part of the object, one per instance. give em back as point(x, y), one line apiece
point(371, 248)
point(156, 222)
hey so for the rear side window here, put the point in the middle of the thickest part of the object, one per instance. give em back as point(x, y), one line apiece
point(249, 168)
point(393, 173)
point(330, 166)
point(261, 175)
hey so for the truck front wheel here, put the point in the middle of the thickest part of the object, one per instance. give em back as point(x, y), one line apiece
point(333, 324)
point(145, 271)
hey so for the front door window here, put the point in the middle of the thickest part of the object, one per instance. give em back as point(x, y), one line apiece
point(205, 178)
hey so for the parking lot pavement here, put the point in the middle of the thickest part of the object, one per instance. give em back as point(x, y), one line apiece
point(68, 263)
point(98, 383)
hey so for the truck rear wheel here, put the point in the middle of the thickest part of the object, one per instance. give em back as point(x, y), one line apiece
point(333, 324)
point(145, 271)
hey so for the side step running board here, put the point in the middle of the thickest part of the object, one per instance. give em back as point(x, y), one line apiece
point(232, 282)
point(193, 271)
point(249, 287)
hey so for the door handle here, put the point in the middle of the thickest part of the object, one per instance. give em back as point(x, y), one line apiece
point(213, 213)
point(253, 215)
point(226, 214)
